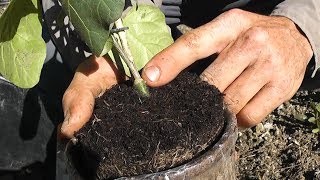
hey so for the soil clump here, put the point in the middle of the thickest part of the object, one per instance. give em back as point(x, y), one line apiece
point(129, 135)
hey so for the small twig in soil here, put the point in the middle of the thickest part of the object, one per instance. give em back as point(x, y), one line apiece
point(100, 136)
point(115, 166)
point(145, 112)
point(169, 120)
point(155, 155)
point(96, 119)
point(290, 167)
point(105, 102)
point(250, 155)
point(175, 158)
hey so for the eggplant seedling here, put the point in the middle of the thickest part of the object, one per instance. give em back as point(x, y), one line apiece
point(136, 31)
point(121, 44)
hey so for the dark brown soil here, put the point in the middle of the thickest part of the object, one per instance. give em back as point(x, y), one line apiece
point(283, 146)
point(129, 135)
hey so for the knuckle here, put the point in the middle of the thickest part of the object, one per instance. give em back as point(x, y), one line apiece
point(235, 17)
point(233, 103)
point(257, 35)
point(191, 40)
point(209, 78)
point(271, 64)
point(279, 91)
point(234, 13)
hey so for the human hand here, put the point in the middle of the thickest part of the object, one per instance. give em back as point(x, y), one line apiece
point(92, 78)
point(261, 61)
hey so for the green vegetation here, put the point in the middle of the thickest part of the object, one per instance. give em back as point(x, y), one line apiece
point(22, 49)
point(316, 116)
point(143, 33)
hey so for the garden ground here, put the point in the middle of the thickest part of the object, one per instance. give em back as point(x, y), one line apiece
point(283, 146)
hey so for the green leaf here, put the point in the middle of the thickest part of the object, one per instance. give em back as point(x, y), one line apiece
point(317, 106)
point(92, 20)
point(22, 49)
point(317, 130)
point(148, 34)
point(312, 120)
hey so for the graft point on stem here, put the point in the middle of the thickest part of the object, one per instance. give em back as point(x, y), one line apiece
point(121, 44)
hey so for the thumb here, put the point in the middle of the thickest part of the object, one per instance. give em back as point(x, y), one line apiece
point(93, 77)
point(78, 106)
point(199, 43)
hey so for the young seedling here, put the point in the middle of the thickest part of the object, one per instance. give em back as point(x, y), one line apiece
point(316, 116)
point(137, 32)
point(121, 44)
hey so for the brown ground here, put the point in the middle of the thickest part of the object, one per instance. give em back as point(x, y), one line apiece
point(283, 146)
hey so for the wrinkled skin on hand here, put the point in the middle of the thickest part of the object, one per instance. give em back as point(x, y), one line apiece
point(92, 78)
point(261, 61)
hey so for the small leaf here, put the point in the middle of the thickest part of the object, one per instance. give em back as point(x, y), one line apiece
point(318, 107)
point(148, 34)
point(300, 116)
point(312, 120)
point(22, 49)
point(92, 20)
point(317, 130)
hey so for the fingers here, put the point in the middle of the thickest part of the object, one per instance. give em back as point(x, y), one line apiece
point(265, 101)
point(197, 44)
point(78, 106)
point(241, 71)
point(92, 78)
point(260, 106)
point(242, 90)
point(234, 59)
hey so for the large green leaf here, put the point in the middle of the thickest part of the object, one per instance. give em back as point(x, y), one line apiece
point(147, 35)
point(92, 20)
point(22, 49)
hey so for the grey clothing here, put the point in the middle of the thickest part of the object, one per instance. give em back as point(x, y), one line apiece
point(306, 14)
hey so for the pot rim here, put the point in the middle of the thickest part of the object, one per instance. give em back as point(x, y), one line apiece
point(225, 145)
point(212, 155)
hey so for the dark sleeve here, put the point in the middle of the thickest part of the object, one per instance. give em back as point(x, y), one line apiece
point(172, 11)
point(306, 14)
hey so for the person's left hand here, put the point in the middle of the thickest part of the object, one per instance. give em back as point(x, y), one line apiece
point(261, 61)
point(92, 78)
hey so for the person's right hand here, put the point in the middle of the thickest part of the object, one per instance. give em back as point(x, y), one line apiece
point(92, 78)
point(261, 61)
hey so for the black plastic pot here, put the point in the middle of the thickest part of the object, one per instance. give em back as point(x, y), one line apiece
point(218, 162)
point(25, 128)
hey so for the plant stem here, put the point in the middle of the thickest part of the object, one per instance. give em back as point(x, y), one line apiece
point(121, 44)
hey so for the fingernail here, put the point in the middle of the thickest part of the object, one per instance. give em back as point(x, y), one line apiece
point(152, 73)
